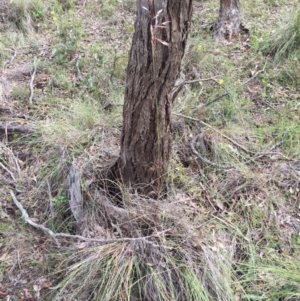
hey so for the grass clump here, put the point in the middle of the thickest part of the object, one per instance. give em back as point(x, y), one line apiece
point(277, 278)
point(287, 41)
point(23, 13)
point(151, 265)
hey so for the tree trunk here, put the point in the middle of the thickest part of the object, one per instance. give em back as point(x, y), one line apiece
point(158, 45)
point(228, 24)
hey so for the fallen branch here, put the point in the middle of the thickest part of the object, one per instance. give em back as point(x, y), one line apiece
point(30, 222)
point(55, 236)
point(16, 129)
point(82, 7)
point(33, 73)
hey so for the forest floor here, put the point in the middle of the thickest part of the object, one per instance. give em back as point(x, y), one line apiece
point(235, 216)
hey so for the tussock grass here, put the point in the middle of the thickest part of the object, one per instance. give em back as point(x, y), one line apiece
point(287, 39)
point(275, 279)
point(162, 267)
point(23, 13)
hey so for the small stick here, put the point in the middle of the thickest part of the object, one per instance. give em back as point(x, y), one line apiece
point(33, 73)
point(82, 7)
point(29, 221)
point(260, 71)
point(6, 169)
point(216, 99)
point(179, 87)
point(220, 133)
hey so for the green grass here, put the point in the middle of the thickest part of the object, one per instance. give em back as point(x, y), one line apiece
point(228, 231)
point(276, 279)
point(287, 40)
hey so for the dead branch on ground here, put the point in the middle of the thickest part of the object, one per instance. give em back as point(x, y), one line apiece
point(16, 129)
point(55, 236)
point(256, 73)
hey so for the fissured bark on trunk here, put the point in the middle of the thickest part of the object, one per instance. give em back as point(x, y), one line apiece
point(228, 24)
point(158, 45)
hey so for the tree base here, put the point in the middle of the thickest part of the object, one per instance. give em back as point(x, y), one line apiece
point(229, 22)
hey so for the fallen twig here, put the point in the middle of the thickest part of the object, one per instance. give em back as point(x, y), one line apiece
point(55, 236)
point(16, 129)
point(82, 7)
point(256, 73)
point(220, 133)
point(33, 73)
point(179, 87)
point(7, 170)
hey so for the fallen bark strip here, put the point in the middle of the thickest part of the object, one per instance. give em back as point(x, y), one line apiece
point(16, 129)
point(55, 236)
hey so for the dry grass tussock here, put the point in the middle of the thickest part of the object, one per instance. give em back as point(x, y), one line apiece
point(166, 255)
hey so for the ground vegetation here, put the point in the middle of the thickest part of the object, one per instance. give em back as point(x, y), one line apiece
point(227, 227)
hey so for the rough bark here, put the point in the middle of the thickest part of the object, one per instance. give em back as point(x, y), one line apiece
point(228, 24)
point(158, 45)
